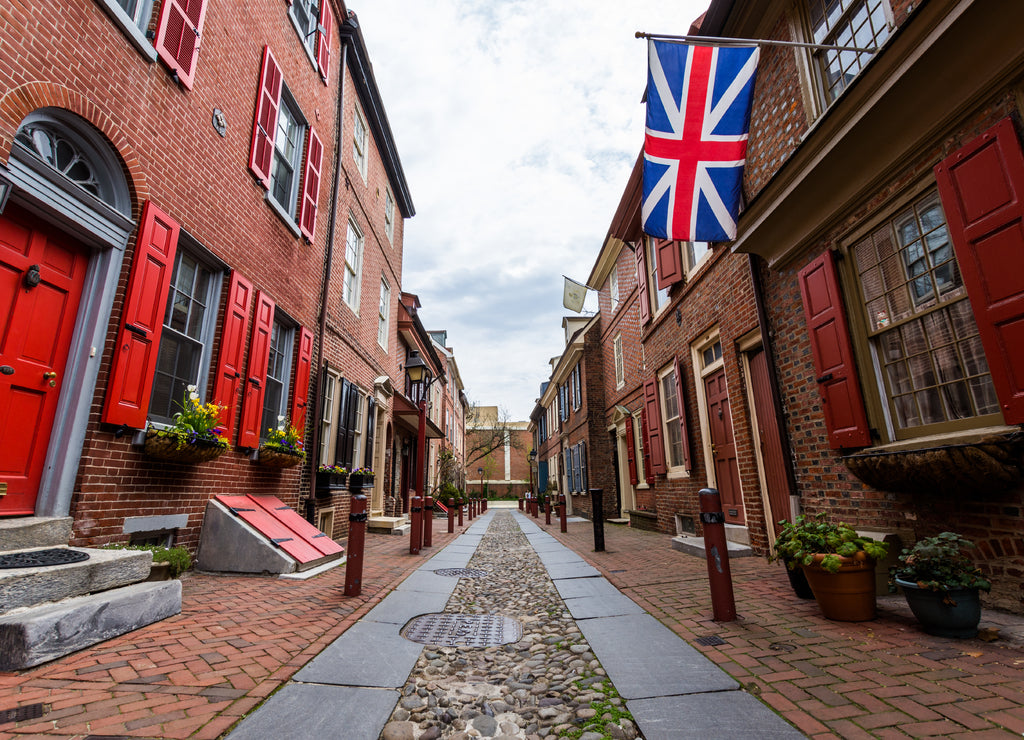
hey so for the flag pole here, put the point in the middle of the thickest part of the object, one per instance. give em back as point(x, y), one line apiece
point(719, 41)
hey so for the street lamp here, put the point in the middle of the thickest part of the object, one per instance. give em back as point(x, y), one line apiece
point(533, 458)
point(419, 377)
point(480, 475)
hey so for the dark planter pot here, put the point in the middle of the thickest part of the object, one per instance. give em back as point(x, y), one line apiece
point(846, 596)
point(958, 619)
point(798, 581)
point(360, 481)
point(326, 483)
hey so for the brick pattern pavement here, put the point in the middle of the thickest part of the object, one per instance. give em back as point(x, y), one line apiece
point(237, 640)
point(879, 679)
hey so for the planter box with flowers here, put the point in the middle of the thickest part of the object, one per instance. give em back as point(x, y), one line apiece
point(194, 437)
point(330, 478)
point(360, 478)
point(283, 448)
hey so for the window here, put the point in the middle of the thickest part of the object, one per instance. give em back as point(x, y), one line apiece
point(658, 297)
point(275, 395)
point(921, 326)
point(359, 401)
point(638, 446)
point(284, 174)
point(360, 141)
point(305, 15)
point(348, 442)
point(353, 258)
point(577, 388)
point(620, 372)
point(695, 253)
point(613, 287)
point(860, 23)
point(383, 311)
point(187, 336)
point(327, 411)
point(671, 417)
point(389, 215)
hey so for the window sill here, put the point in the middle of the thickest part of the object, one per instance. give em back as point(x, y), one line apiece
point(288, 219)
point(677, 474)
point(130, 29)
point(961, 462)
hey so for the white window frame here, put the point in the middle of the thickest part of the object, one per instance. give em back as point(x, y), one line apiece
point(638, 451)
point(353, 266)
point(307, 36)
point(288, 204)
point(133, 24)
point(285, 334)
point(620, 369)
point(659, 298)
point(695, 253)
point(383, 313)
point(328, 412)
point(207, 331)
point(360, 141)
point(357, 432)
point(667, 420)
point(389, 215)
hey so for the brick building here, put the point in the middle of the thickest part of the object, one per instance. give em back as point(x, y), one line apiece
point(883, 194)
point(226, 215)
point(497, 454)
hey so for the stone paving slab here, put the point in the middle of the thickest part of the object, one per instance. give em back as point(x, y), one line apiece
point(401, 606)
point(725, 715)
point(553, 558)
point(575, 588)
point(297, 711)
point(606, 605)
point(370, 654)
point(574, 569)
point(446, 559)
point(645, 659)
point(427, 580)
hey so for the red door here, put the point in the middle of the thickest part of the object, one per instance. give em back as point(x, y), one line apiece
point(36, 323)
point(770, 441)
point(723, 448)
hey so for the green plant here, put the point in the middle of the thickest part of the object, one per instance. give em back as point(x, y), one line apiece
point(800, 541)
point(178, 557)
point(285, 438)
point(334, 469)
point(196, 422)
point(939, 564)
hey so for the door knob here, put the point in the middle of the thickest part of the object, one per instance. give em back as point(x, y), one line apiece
point(52, 377)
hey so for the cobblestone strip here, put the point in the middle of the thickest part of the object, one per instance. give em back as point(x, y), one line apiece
point(548, 685)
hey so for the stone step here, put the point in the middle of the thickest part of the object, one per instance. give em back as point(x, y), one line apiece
point(737, 533)
point(105, 569)
point(34, 635)
point(695, 546)
point(29, 532)
point(388, 525)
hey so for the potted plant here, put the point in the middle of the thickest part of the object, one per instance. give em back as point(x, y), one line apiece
point(839, 565)
point(330, 478)
point(360, 478)
point(194, 436)
point(283, 448)
point(797, 579)
point(941, 585)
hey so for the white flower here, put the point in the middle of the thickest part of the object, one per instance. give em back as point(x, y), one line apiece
point(194, 396)
point(191, 389)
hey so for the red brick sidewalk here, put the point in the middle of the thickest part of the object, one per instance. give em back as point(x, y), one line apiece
point(237, 640)
point(879, 679)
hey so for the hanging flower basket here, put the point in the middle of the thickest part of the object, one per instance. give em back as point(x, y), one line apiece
point(275, 457)
point(170, 445)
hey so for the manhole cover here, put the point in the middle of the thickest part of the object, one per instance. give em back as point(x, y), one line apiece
point(471, 630)
point(710, 640)
point(461, 572)
point(40, 558)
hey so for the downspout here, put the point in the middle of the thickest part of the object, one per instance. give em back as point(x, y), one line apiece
point(773, 377)
point(314, 452)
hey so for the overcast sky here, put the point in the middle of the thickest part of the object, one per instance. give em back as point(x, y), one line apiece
point(517, 124)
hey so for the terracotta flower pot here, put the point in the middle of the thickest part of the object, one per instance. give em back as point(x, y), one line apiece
point(846, 596)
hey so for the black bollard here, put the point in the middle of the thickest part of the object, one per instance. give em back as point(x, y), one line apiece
point(597, 504)
point(416, 536)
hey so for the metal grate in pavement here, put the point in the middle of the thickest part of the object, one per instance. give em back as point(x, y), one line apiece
point(22, 714)
point(710, 640)
point(471, 630)
point(40, 558)
point(461, 572)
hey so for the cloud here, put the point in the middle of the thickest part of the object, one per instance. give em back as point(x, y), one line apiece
point(517, 124)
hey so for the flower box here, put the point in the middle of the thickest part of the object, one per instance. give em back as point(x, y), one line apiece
point(274, 457)
point(326, 482)
point(167, 445)
point(360, 481)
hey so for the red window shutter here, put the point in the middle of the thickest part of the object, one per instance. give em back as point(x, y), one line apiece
point(311, 185)
point(646, 440)
point(256, 372)
point(641, 281)
point(324, 36)
point(232, 349)
point(654, 426)
point(684, 433)
point(841, 400)
point(178, 35)
point(982, 186)
point(670, 263)
point(142, 321)
point(261, 156)
point(300, 396)
point(631, 451)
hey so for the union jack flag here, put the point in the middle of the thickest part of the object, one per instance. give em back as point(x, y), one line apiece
point(698, 119)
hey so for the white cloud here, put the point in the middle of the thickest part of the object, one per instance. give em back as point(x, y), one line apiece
point(517, 124)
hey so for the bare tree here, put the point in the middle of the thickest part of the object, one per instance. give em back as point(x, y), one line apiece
point(489, 429)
